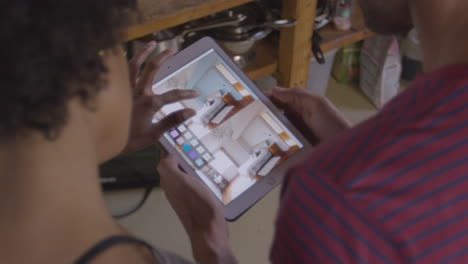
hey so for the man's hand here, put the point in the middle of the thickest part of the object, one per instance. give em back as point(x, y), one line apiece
point(313, 115)
point(201, 213)
point(145, 103)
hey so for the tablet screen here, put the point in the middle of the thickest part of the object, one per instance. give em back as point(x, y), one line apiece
point(234, 140)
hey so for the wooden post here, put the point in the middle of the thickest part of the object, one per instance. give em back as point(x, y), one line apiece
point(296, 43)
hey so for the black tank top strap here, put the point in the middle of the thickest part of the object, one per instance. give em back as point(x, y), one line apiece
point(108, 243)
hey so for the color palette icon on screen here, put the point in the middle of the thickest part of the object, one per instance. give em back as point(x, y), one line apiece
point(191, 147)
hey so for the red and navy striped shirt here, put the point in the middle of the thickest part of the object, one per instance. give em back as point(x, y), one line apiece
point(392, 190)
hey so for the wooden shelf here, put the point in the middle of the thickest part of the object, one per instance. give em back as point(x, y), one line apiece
point(294, 46)
point(265, 63)
point(335, 39)
point(157, 15)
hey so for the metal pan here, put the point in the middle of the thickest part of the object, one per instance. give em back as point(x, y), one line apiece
point(172, 39)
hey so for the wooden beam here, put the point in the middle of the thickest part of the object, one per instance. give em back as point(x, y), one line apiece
point(296, 43)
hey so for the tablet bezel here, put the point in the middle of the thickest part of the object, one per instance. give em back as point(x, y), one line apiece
point(237, 207)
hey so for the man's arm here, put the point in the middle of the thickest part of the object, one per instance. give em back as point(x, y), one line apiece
point(318, 224)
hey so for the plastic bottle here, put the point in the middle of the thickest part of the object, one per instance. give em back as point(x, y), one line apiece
point(343, 14)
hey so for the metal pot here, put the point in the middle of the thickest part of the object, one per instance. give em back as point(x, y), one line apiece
point(174, 39)
point(243, 51)
point(242, 46)
point(257, 18)
point(248, 30)
point(166, 39)
point(237, 47)
point(240, 41)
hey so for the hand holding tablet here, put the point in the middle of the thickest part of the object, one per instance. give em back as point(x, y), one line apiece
point(238, 143)
point(145, 103)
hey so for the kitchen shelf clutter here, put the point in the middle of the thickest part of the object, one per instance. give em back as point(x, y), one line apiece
point(334, 39)
point(163, 14)
point(288, 58)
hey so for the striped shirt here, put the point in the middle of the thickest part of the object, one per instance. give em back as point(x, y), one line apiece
point(392, 190)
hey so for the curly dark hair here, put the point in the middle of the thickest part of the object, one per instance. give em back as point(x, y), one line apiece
point(50, 53)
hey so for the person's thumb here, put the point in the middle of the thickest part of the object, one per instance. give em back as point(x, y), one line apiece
point(283, 95)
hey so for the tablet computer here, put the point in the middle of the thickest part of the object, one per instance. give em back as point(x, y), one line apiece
point(239, 144)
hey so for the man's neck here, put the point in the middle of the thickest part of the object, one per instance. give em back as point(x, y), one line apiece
point(442, 30)
point(48, 190)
